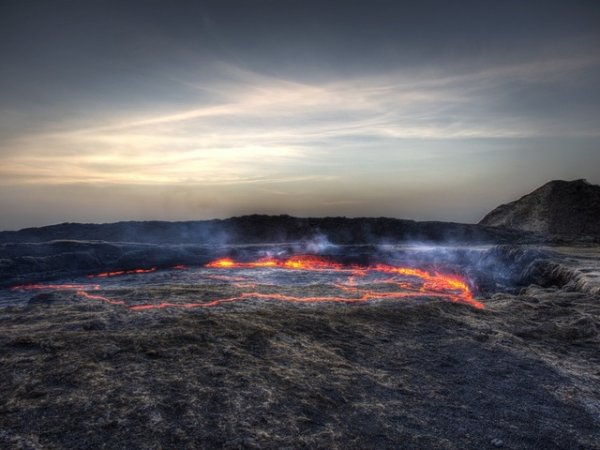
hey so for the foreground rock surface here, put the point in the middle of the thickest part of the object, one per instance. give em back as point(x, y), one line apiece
point(523, 373)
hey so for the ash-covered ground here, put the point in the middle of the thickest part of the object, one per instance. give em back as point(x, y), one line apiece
point(524, 372)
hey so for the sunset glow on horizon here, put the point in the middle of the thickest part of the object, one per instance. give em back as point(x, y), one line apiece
point(219, 109)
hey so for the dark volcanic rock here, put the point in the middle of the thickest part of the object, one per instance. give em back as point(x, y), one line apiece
point(43, 299)
point(267, 229)
point(521, 374)
point(565, 208)
point(73, 249)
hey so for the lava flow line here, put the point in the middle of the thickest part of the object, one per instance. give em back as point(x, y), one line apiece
point(397, 283)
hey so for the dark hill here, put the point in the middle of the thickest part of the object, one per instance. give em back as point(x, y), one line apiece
point(268, 229)
point(559, 208)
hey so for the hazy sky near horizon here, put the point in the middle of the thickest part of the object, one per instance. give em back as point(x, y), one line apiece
point(173, 110)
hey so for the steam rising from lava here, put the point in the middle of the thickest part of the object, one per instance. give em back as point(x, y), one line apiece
point(353, 283)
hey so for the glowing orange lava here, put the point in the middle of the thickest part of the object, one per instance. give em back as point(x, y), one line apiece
point(298, 262)
point(127, 272)
point(451, 287)
point(101, 298)
point(358, 284)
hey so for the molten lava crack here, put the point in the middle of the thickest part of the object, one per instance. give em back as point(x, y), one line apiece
point(354, 283)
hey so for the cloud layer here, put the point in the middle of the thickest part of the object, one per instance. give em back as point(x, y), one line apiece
point(201, 127)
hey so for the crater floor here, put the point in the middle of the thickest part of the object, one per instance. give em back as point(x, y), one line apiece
point(413, 373)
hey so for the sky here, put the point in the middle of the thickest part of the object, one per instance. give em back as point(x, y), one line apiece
point(175, 110)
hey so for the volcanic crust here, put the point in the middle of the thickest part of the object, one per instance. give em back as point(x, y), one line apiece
point(520, 373)
point(523, 372)
point(152, 336)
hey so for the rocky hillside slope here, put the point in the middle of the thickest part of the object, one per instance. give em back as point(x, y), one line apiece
point(564, 208)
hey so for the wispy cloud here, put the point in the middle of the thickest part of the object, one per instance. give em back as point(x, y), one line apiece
point(265, 129)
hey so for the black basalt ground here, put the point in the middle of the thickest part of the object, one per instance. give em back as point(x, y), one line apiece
point(522, 373)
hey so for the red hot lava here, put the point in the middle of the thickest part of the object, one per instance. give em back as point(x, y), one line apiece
point(298, 262)
point(126, 272)
point(406, 281)
point(357, 284)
